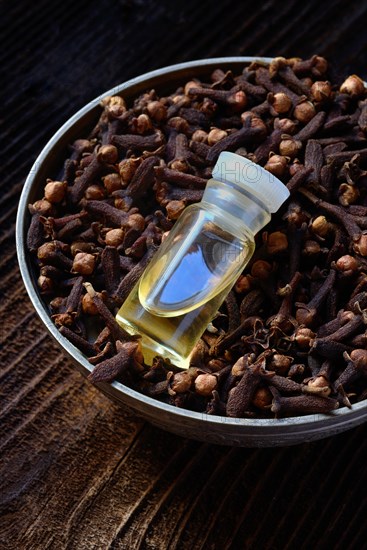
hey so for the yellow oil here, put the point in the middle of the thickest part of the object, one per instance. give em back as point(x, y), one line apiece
point(171, 333)
point(170, 337)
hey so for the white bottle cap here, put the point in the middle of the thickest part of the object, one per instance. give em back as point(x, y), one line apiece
point(232, 168)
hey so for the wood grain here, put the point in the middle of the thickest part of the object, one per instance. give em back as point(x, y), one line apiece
point(77, 471)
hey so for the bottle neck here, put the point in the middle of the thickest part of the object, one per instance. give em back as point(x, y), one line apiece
point(248, 210)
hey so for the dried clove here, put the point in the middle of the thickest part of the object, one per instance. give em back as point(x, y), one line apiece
point(303, 404)
point(106, 213)
point(110, 261)
point(110, 369)
point(240, 397)
point(78, 341)
point(138, 142)
point(132, 277)
point(116, 331)
point(231, 142)
point(35, 234)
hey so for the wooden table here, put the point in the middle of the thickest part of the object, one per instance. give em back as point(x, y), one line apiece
point(78, 472)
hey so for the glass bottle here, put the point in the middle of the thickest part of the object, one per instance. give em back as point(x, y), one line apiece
point(195, 267)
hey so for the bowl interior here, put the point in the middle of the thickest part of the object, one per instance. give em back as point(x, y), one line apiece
point(216, 429)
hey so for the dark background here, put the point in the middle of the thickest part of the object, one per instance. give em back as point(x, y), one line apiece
point(77, 472)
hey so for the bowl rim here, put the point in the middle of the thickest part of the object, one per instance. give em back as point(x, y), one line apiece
point(318, 421)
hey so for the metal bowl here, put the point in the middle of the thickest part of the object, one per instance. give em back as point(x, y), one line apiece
point(214, 429)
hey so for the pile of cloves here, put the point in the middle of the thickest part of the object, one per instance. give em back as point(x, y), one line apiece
point(291, 336)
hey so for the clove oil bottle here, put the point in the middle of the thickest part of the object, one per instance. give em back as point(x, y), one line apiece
point(196, 266)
